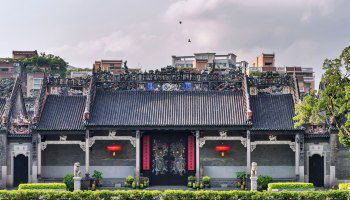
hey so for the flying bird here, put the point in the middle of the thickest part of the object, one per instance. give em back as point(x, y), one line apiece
point(180, 22)
point(189, 40)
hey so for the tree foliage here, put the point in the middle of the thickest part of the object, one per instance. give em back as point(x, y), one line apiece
point(332, 102)
point(54, 65)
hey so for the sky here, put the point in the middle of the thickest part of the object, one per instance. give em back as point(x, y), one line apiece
point(147, 33)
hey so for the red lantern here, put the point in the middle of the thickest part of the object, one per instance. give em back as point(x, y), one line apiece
point(114, 149)
point(222, 149)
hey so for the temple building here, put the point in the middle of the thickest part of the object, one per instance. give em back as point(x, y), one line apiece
point(166, 125)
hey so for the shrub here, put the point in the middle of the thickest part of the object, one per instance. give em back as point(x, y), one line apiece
point(191, 179)
point(241, 175)
point(129, 179)
point(97, 175)
point(172, 195)
point(68, 180)
point(206, 180)
point(263, 181)
point(344, 186)
point(42, 186)
point(126, 184)
point(290, 185)
point(133, 185)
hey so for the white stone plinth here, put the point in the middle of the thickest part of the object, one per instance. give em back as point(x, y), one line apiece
point(3, 176)
point(253, 183)
point(77, 183)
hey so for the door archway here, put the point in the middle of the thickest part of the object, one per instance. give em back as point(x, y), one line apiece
point(20, 170)
point(316, 170)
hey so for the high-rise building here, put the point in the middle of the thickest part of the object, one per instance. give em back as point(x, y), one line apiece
point(264, 60)
point(206, 61)
point(113, 66)
point(266, 63)
point(23, 54)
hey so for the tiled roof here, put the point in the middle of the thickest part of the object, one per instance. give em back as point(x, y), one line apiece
point(2, 105)
point(62, 113)
point(171, 108)
point(272, 112)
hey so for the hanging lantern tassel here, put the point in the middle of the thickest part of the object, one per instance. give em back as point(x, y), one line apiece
point(114, 149)
point(222, 149)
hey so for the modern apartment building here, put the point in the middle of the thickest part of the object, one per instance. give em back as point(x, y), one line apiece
point(266, 63)
point(24, 54)
point(113, 66)
point(205, 61)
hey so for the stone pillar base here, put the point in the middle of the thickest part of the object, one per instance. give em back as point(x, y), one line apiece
point(3, 176)
point(77, 183)
point(253, 183)
point(34, 174)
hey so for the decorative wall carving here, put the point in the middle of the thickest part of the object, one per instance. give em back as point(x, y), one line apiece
point(80, 143)
point(112, 136)
point(273, 142)
point(20, 150)
point(223, 136)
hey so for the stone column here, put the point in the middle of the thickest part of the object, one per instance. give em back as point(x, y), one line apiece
point(87, 153)
point(297, 156)
point(39, 149)
point(3, 159)
point(248, 152)
point(197, 156)
point(333, 141)
point(253, 177)
point(138, 152)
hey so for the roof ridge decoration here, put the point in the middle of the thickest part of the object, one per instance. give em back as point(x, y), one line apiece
point(10, 102)
point(90, 99)
point(171, 79)
point(13, 119)
point(40, 101)
point(246, 99)
point(272, 83)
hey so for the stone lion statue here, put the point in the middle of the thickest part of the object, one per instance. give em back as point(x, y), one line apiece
point(76, 170)
point(253, 169)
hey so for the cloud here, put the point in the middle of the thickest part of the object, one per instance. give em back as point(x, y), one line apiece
point(115, 42)
point(299, 32)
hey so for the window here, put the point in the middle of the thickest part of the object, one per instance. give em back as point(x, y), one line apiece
point(37, 83)
point(4, 69)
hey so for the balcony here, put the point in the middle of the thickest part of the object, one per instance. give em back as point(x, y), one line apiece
point(309, 79)
point(307, 70)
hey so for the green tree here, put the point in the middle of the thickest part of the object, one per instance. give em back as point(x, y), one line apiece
point(53, 64)
point(332, 100)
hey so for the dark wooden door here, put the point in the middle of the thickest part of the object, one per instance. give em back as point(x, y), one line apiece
point(168, 159)
point(20, 170)
point(316, 170)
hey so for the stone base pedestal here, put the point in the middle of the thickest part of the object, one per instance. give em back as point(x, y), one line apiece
point(34, 174)
point(77, 183)
point(254, 183)
point(3, 176)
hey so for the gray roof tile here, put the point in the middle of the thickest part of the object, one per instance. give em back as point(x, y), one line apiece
point(2, 105)
point(172, 108)
point(272, 112)
point(62, 113)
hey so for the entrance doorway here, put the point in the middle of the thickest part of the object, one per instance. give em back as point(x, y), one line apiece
point(168, 159)
point(20, 170)
point(316, 170)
